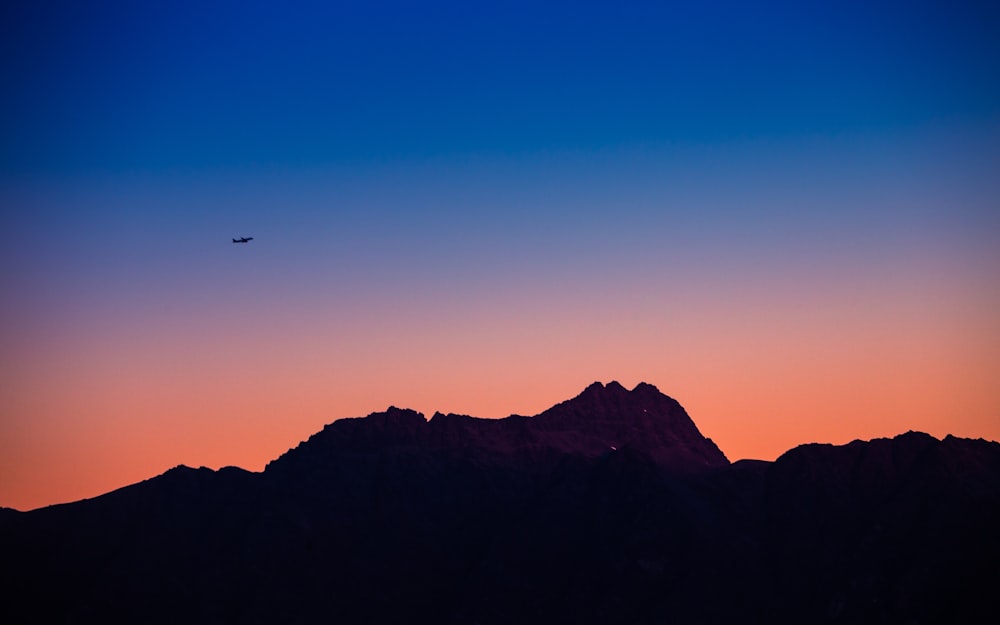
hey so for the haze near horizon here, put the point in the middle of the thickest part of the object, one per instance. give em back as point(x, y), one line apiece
point(784, 217)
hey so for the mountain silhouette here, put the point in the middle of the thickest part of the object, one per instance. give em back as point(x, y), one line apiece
point(610, 507)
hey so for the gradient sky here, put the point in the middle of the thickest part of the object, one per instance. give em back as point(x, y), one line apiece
point(785, 215)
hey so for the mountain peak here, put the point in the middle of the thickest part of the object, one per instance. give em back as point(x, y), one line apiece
point(616, 389)
point(645, 387)
point(614, 401)
point(611, 416)
point(599, 388)
point(602, 418)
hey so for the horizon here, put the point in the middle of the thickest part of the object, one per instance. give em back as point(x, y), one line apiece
point(428, 415)
point(783, 216)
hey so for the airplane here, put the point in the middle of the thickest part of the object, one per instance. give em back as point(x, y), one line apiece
point(242, 239)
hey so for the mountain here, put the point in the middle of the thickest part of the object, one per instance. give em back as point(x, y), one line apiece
point(599, 420)
point(610, 507)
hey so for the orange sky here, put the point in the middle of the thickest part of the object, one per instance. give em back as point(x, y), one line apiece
point(759, 369)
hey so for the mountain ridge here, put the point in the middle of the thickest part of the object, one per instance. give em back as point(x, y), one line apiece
point(610, 507)
point(601, 418)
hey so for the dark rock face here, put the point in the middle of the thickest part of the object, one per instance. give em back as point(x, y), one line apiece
point(600, 420)
point(644, 420)
point(607, 508)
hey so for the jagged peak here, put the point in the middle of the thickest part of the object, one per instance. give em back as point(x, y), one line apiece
point(404, 413)
point(615, 397)
point(615, 388)
point(611, 415)
point(599, 387)
point(646, 387)
point(451, 416)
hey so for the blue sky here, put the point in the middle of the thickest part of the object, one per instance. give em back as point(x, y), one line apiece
point(185, 85)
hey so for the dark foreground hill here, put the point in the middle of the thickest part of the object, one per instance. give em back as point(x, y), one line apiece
point(608, 508)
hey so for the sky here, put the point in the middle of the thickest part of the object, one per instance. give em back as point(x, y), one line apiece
point(784, 215)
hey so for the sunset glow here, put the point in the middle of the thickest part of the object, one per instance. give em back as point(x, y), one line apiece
point(794, 231)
